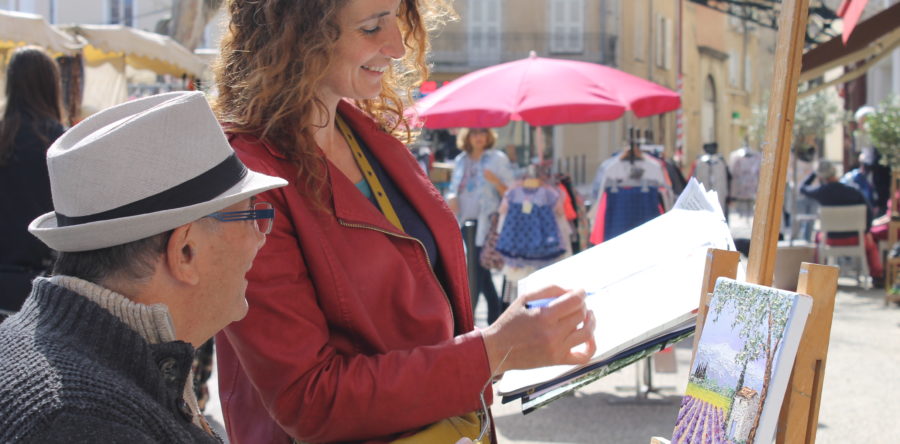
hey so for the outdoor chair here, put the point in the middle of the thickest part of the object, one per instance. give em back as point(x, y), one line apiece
point(844, 219)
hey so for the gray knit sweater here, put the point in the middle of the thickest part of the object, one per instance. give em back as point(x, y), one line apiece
point(71, 371)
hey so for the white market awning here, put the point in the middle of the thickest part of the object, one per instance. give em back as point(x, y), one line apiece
point(19, 28)
point(140, 49)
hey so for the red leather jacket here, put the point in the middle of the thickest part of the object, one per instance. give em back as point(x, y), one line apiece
point(350, 335)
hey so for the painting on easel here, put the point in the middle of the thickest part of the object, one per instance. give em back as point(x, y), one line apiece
point(742, 366)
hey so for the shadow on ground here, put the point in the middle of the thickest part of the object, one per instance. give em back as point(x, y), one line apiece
point(593, 418)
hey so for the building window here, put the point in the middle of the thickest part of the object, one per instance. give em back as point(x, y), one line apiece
point(483, 17)
point(748, 73)
point(26, 6)
point(734, 69)
point(663, 42)
point(121, 12)
point(640, 28)
point(566, 26)
point(708, 111)
point(212, 33)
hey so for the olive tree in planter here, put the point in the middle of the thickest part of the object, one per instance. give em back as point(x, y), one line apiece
point(883, 127)
point(814, 115)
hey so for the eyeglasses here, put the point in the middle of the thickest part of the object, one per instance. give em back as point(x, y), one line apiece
point(262, 214)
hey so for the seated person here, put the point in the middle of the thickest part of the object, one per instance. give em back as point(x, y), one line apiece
point(831, 192)
point(156, 225)
point(880, 225)
point(860, 179)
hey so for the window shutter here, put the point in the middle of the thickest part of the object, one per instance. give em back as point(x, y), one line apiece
point(26, 6)
point(748, 73)
point(566, 26)
point(734, 64)
point(670, 42)
point(484, 28)
point(640, 29)
point(114, 12)
point(660, 41)
point(576, 25)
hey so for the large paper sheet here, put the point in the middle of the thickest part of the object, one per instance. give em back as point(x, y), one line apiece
point(641, 284)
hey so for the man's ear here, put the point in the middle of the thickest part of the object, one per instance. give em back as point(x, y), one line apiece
point(181, 254)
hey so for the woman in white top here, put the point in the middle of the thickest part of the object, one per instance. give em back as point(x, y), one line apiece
point(481, 176)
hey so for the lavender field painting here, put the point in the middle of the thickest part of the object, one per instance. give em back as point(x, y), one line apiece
point(731, 378)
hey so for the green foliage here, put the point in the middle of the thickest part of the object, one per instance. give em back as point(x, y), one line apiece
point(883, 127)
point(814, 115)
point(760, 317)
point(712, 386)
point(710, 395)
point(756, 132)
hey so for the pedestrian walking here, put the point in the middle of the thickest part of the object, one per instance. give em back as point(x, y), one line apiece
point(481, 176)
point(31, 122)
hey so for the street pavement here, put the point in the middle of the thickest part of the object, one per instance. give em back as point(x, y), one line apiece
point(860, 397)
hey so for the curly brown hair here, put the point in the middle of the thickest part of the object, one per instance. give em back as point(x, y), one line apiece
point(274, 56)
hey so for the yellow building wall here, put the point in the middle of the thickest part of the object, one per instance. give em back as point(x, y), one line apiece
point(708, 50)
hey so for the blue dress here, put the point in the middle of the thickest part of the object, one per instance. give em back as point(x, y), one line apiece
point(530, 230)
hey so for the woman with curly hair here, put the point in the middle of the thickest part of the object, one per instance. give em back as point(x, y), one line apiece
point(30, 124)
point(360, 326)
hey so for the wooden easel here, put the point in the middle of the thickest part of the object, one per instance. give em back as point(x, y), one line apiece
point(800, 409)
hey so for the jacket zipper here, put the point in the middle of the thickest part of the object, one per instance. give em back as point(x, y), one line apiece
point(424, 251)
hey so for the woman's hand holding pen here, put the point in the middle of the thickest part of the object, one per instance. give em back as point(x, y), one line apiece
point(537, 337)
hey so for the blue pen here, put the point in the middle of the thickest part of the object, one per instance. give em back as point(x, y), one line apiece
point(537, 303)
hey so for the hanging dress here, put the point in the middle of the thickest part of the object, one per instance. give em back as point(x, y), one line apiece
point(530, 230)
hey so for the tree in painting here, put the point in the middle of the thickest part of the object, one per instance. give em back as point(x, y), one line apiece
point(761, 316)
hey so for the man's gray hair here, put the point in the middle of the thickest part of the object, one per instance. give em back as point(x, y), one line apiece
point(134, 260)
point(825, 169)
point(863, 111)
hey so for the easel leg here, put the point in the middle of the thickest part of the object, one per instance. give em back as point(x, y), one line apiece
point(800, 408)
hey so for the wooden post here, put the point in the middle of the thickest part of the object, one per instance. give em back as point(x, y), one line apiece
point(800, 409)
point(777, 143)
point(719, 263)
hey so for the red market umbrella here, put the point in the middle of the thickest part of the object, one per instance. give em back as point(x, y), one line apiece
point(541, 91)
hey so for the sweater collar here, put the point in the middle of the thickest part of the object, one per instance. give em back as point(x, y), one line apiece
point(152, 322)
point(67, 306)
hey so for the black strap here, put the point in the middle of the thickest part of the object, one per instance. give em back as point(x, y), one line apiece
point(202, 188)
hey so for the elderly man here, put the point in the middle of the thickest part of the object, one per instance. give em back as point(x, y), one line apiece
point(831, 192)
point(156, 224)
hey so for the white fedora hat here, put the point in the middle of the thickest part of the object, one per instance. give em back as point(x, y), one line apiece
point(139, 169)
